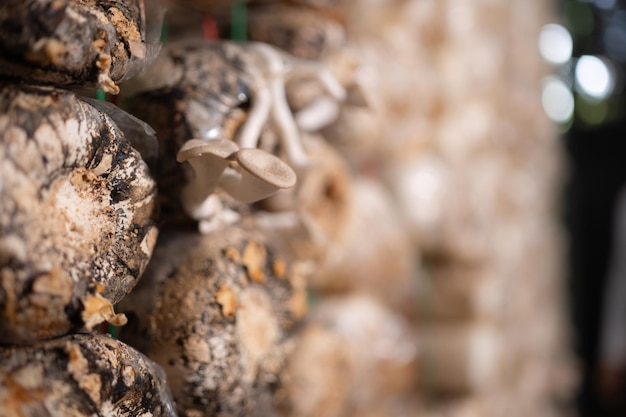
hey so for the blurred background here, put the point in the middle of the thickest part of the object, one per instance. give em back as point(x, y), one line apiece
point(502, 223)
point(587, 48)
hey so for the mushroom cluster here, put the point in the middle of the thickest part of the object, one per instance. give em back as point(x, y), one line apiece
point(247, 175)
point(213, 93)
point(221, 302)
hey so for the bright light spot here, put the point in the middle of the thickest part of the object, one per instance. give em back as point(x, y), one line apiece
point(594, 77)
point(605, 4)
point(557, 100)
point(555, 44)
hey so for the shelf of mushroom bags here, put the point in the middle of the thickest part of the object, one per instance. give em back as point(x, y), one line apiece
point(78, 212)
point(194, 149)
point(241, 215)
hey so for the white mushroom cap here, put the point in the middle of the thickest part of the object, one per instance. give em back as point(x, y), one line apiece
point(260, 175)
point(208, 159)
point(222, 148)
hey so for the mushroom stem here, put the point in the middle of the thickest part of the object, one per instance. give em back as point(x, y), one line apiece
point(208, 160)
point(258, 115)
point(305, 69)
point(217, 217)
point(330, 83)
point(278, 65)
point(282, 116)
point(318, 114)
point(277, 70)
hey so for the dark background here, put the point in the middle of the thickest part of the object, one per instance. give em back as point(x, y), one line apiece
point(597, 172)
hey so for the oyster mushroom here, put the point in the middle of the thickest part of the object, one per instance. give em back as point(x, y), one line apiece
point(81, 375)
point(208, 160)
point(217, 311)
point(261, 174)
point(254, 176)
point(276, 69)
point(78, 42)
point(247, 175)
point(314, 34)
point(77, 214)
point(227, 90)
point(191, 91)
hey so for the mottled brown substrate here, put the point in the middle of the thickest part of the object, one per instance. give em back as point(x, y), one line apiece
point(302, 31)
point(319, 375)
point(74, 42)
point(77, 214)
point(81, 375)
point(217, 311)
point(352, 357)
point(192, 91)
